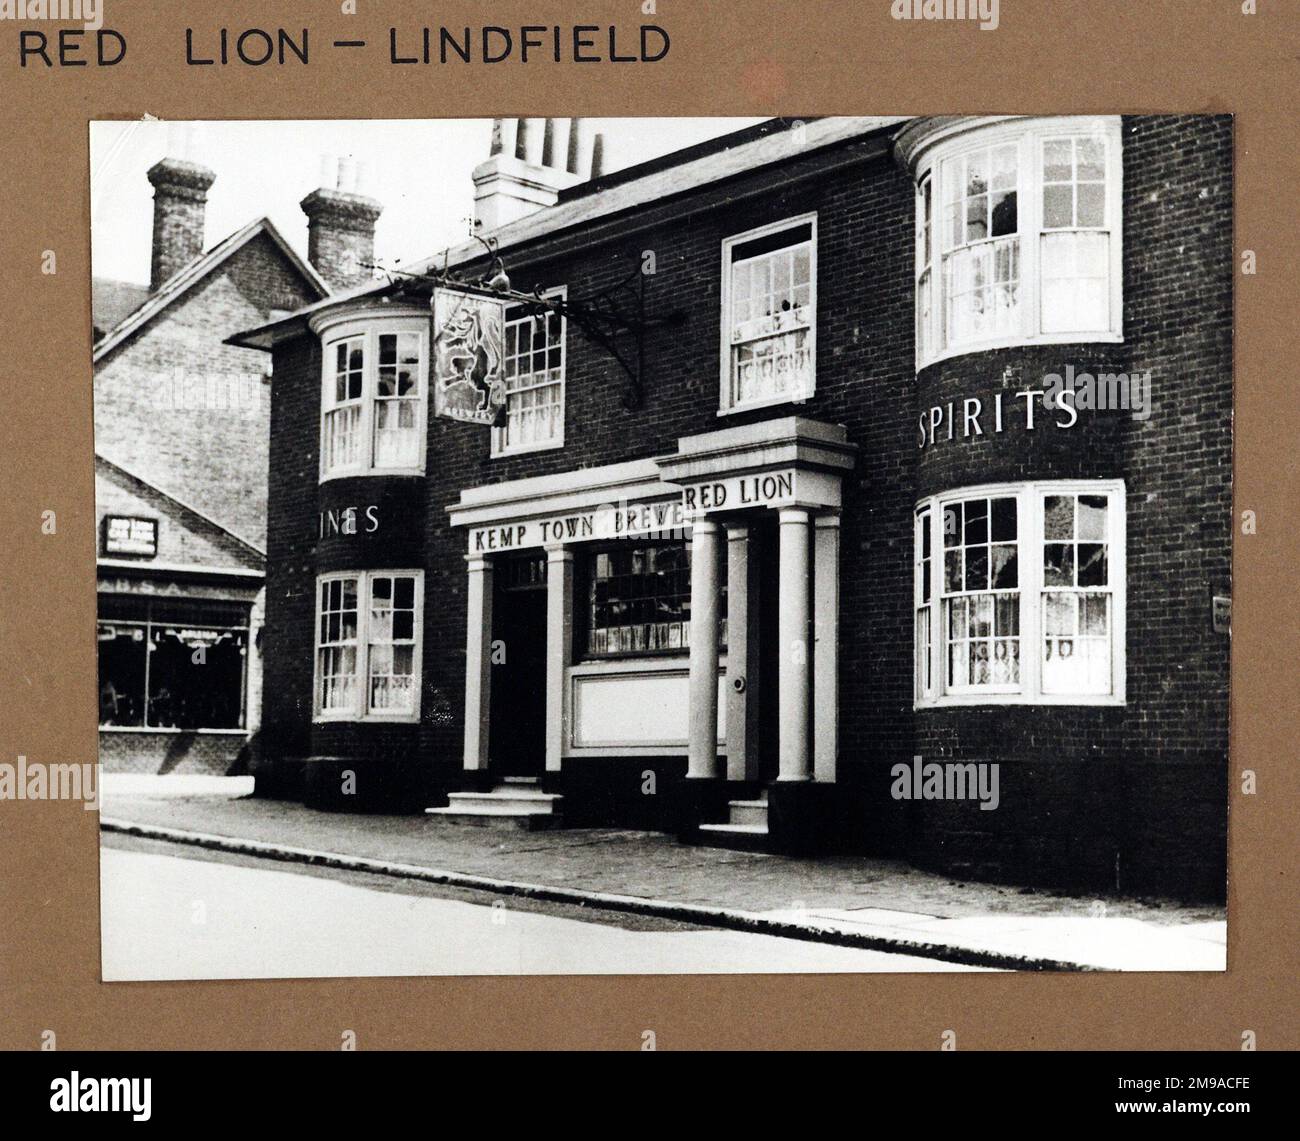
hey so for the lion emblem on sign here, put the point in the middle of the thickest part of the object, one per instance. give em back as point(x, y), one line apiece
point(469, 356)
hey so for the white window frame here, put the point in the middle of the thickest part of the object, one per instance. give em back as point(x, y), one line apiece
point(499, 447)
point(725, 404)
point(360, 710)
point(369, 330)
point(1029, 136)
point(1029, 541)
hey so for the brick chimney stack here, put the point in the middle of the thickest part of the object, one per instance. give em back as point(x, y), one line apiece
point(341, 226)
point(180, 196)
point(530, 162)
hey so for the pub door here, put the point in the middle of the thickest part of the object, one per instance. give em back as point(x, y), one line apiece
point(517, 741)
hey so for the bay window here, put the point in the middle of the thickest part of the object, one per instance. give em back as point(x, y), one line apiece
point(368, 645)
point(769, 315)
point(1018, 236)
point(1027, 603)
point(534, 371)
point(373, 397)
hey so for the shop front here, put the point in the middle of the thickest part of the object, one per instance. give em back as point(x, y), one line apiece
point(680, 613)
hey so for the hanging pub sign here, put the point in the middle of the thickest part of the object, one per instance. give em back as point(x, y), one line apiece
point(130, 535)
point(469, 382)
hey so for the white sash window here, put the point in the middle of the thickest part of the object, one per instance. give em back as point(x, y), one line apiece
point(368, 641)
point(373, 397)
point(1018, 237)
point(769, 315)
point(1019, 594)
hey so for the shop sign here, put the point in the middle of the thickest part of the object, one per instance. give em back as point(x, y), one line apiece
point(761, 489)
point(130, 535)
point(607, 521)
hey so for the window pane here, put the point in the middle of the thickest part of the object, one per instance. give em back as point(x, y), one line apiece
point(977, 521)
point(1092, 564)
point(1092, 204)
point(977, 568)
point(1092, 159)
point(1004, 567)
point(1092, 517)
point(1058, 206)
point(1058, 564)
point(1004, 520)
point(1058, 517)
point(1058, 160)
point(952, 580)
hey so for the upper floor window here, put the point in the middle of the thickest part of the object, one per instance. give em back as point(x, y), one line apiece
point(368, 627)
point(769, 315)
point(373, 398)
point(1019, 594)
point(1018, 237)
point(534, 367)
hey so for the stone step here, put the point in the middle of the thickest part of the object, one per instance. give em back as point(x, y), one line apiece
point(510, 801)
point(514, 803)
point(741, 837)
point(748, 812)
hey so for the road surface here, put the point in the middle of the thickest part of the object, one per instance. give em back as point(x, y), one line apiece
point(170, 912)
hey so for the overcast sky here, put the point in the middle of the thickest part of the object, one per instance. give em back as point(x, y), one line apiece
point(418, 168)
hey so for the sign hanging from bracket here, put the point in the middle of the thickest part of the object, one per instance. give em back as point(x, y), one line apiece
point(469, 381)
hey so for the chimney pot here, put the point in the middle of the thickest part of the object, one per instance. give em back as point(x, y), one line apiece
point(598, 156)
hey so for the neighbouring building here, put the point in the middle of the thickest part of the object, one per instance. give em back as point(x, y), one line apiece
point(181, 438)
point(820, 509)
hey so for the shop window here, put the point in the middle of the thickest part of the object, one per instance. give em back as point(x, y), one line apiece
point(769, 315)
point(1027, 604)
point(368, 641)
point(639, 600)
point(1018, 237)
point(534, 368)
point(172, 664)
point(373, 399)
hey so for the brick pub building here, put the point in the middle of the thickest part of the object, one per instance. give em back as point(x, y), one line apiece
point(824, 522)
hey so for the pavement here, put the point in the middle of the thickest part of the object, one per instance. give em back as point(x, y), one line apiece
point(870, 904)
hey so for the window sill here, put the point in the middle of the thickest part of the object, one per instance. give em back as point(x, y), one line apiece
point(751, 405)
point(1019, 342)
point(363, 472)
point(527, 449)
point(366, 719)
point(157, 729)
point(950, 701)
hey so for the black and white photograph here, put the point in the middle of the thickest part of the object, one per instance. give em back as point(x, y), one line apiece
point(640, 546)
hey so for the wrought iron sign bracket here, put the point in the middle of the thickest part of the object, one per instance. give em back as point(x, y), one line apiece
point(607, 318)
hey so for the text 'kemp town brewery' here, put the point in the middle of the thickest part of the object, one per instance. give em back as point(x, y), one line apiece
point(836, 444)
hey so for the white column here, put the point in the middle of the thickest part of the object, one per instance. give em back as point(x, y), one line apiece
point(478, 662)
point(559, 650)
point(742, 656)
point(702, 746)
point(826, 644)
point(794, 668)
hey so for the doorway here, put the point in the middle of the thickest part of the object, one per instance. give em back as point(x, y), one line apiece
point(517, 727)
